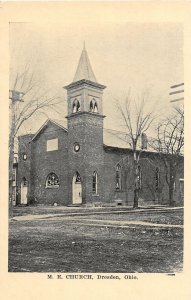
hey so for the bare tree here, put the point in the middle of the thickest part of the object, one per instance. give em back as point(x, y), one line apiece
point(27, 98)
point(137, 121)
point(169, 143)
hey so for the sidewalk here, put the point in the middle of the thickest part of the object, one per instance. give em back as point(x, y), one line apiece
point(70, 215)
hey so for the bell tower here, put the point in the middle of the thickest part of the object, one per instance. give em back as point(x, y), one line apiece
point(85, 135)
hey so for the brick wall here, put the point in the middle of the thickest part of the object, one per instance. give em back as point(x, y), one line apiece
point(148, 192)
point(87, 130)
point(45, 162)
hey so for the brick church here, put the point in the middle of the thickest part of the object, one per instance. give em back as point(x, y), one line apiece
point(81, 163)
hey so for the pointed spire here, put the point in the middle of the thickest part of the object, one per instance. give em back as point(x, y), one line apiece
point(84, 48)
point(84, 69)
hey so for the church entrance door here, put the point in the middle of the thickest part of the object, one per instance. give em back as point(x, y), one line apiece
point(76, 189)
point(24, 191)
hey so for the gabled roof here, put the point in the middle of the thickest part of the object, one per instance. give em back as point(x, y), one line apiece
point(58, 123)
point(111, 138)
point(61, 123)
point(116, 139)
point(84, 69)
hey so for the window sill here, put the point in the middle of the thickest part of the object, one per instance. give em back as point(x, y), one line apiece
point(95, 195)
point(52, 187)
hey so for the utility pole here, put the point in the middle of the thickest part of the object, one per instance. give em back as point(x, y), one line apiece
point(14, 96)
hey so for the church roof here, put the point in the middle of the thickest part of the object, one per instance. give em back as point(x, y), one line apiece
point(115, 138)
point(122, 140)
point(111, 138)
point(84, 69)
point(56, 122)
point(61, 123)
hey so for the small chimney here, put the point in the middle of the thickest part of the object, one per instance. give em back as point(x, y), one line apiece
point(144, 141)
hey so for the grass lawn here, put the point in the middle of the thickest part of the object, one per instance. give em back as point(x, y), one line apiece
point(72, 244)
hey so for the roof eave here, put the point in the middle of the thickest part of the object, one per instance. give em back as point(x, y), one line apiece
point(84, 82)
point(44, 125)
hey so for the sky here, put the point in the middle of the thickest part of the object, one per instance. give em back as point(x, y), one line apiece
point(136, 57)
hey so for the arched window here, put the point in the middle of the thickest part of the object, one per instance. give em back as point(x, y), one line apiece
point(94, 182)
point(76, 106)
point(157, 178)
point(52, 180)
point(118, 178)
point(77, 177)
point(93, 106)
point(24, 182)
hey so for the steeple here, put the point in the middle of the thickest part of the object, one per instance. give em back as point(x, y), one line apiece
point(84, 69)
point(84, 93)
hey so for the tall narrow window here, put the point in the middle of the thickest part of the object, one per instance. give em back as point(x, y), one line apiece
point(93, 106)
point(52, 180)
point(24, 182)
point(76, 106)
point(118, 178)
point(181, 187)
point(157, 179)
point(78, 178)
point(94, 182)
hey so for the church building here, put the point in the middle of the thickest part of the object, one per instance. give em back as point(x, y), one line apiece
point(76, 165)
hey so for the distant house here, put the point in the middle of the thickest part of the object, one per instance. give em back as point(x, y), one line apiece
point(80, 163)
